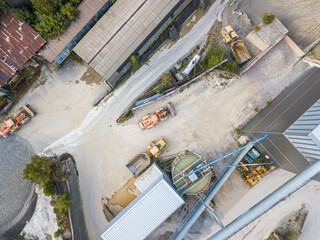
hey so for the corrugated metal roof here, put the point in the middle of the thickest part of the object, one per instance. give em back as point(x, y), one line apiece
point(148, 178)
point(120, 31)
point(87, 9)
point(18, 42)
point(315, 135)
point(145, 213)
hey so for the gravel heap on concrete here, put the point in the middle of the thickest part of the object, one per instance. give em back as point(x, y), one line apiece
point(15, 153)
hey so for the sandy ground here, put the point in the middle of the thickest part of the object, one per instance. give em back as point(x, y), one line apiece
point(309, 196)
point(300, 17)
point(99, 143)
point(61, 99)
point(208, 112)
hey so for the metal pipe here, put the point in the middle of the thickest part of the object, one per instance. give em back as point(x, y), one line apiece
point(194, 214)
point(240, 165)
point(268, 202)
point(238, 150)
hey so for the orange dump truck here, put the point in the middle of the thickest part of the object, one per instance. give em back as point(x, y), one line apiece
point(160, 115)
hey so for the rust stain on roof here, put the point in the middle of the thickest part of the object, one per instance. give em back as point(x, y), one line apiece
point(18, 42)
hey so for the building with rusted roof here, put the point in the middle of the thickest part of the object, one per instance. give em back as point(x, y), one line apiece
point(18, 42)
point(89, 11)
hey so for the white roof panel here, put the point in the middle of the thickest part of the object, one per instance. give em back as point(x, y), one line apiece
point(145, 213)
point(315, 135)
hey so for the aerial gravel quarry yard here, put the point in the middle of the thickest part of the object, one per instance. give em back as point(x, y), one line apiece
point(233, 156)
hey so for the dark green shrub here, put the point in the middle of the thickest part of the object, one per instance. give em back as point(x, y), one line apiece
point(63, 203)
point(57, 234)
point(268, 18)
point(48, 189)
point(158, 89)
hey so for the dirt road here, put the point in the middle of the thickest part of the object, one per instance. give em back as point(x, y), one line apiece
point(61, 99)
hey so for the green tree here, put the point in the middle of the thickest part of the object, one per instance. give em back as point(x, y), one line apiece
point(215, 55)
point(166, 79)
point(39, 170)
point(135, 62)
point(50, 26)
point(268, 18)
point(63, 203)
point(25, 15)
point(70, 11)
point(48, 189)
point(48, 7)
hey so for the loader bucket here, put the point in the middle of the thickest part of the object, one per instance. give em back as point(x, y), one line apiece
point(171, 109)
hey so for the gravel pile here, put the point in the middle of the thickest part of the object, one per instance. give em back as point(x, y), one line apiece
point(15, 153)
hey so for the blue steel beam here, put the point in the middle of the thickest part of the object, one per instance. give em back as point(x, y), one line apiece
point(238, 150)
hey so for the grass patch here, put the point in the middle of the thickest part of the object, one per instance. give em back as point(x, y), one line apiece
point(158, 89)
point(221, 75)
point(256, 109)
point(257, 28)
point(125, 117)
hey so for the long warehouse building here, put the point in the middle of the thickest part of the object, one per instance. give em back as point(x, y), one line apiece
point(128, 28)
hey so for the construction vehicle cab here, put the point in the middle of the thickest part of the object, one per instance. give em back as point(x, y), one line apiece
point(157, 147)
point(229, 35)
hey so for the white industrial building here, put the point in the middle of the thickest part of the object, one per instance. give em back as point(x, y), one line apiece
point(158, 201)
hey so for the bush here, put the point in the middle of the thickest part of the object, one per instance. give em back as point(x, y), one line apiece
point(70, 11)
point(112, 1)
point(268, 18)
point(57, 234)
point(48, 189)
point(63, 203)
point(268, 103)
point(166, 79)
point(257, 28)
point(230, 67)
point(39, 170)
point(135, 62)
point(158, 89)
point(215, 55)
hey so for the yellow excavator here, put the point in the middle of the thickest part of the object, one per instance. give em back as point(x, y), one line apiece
point(142, 160)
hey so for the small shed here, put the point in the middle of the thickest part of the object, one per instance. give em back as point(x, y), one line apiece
point(142, 216)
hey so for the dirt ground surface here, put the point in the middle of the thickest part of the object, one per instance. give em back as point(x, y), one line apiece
point(207, 114)
point(61, 100)
point(307, 197)
point(300, 17)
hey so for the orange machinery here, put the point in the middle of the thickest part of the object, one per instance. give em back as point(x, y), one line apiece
point(161, 114)
point(15, 122)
